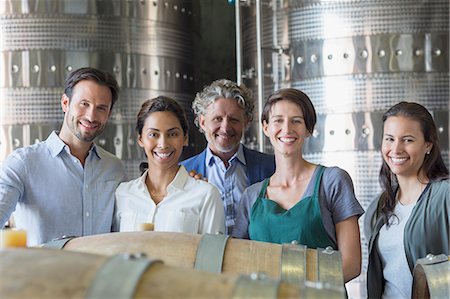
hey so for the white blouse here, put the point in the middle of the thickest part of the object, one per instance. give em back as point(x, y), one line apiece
point(190, 206)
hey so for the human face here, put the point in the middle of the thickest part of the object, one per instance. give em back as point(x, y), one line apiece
point(404, 146)
point(87, 112)
point(286, 128)
point(224, 123)
point(162, 139)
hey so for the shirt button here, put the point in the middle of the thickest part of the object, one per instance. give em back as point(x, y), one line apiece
point(87, 214)
point(87, 186)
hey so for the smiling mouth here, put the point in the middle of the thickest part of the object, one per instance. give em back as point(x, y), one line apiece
point(163, 155)
point(287, 139)
point(88, 125)
point(396, 160)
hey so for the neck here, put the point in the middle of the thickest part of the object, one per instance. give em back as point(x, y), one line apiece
point(225, 157)
point(410, 189)
point(158, 179)
point(291, 169)
point(78, 149)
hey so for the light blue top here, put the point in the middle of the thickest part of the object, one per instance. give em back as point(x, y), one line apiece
point(53, 195)
point(230, 181)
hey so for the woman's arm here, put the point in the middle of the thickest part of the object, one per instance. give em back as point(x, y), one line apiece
point(349, 244)
point(240, 229)
point(212, 215)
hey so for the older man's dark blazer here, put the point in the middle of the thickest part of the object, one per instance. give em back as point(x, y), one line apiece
point(259, 165)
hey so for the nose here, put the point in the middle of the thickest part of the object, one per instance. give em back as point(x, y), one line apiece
point(397, 146)
point(90, 113)
point(225, 125)
point(287, 126)
point(162, 141)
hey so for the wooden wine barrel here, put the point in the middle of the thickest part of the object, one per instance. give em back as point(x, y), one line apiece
point(431, 277)
point(218, 253)
point(46, 273)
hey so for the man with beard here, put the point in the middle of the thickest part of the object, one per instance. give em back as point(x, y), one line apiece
point(223, 111)
point(65, 185)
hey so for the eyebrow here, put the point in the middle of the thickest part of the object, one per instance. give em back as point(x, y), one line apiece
point(410, 136)
point(279, 115)
point(169, 130)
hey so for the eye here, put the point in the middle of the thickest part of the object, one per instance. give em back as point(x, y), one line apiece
point(217, 119)
point(388, 139)
point(102, 108)
point(173, 134)
point(152, 134)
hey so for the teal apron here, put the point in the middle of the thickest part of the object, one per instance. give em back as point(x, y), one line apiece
point(303, 222)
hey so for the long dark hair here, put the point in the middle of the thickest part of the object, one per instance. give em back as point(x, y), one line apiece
point(433, 165)
point(160, 104)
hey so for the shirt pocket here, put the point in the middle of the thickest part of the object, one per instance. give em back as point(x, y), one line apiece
point(128, 221)
point(182, 221)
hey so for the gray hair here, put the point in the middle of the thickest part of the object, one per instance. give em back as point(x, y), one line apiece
point(223, 88)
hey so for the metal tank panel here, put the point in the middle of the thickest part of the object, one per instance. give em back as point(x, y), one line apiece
point(354, 59)
point(147, 45)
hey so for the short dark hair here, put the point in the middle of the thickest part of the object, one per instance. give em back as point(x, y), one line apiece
point(297, 97)
point(93, 74)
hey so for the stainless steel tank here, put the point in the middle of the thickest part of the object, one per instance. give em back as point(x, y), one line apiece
point(147, 45)
point(354, 59)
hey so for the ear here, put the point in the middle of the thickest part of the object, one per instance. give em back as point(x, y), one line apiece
point(65, 102)
point(266, 128)
point(139, 140)
point(186, 140)
point(429, 147)
point(201, 122)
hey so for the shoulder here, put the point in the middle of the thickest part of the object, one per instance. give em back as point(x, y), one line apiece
point(194, 160)
point(258, 155)
point(104, 154)
point(253, 190)
point(336, 176)
point(441, 186)
point(440, 193)
point(197, 186)
point(34, 153)
point(129, 186)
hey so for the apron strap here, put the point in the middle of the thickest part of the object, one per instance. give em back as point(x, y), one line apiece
point(318, 179)
point(210, 252)
point(262, 192)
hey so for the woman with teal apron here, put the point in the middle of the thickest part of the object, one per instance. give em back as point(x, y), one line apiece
point(304, 202)
point(302, 223)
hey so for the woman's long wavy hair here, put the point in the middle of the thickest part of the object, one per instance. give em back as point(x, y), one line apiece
point(433, 167)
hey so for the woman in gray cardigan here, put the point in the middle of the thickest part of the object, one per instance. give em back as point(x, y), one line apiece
point(413, 212)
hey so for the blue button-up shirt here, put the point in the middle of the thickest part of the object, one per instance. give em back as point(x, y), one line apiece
point(54, 195)
point(230, 181)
